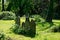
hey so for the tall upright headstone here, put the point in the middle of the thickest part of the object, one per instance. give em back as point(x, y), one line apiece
point(33, 27)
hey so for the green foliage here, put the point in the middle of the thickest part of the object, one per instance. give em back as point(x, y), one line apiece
point(16, 29)
point(38, 18)
point(2, 36)
point(55, 28)
point(20, 6)
point(24, 29)
point(7, 15)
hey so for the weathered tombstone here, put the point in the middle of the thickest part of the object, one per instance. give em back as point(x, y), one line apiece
point(33, 27)
point(27, 25)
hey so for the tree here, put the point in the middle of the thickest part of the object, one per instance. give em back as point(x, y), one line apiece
point(3, 5)
point(50, 12)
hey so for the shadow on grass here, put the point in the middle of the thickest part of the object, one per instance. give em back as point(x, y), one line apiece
point(32, 35)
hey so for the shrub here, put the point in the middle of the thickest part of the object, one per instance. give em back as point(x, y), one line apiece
point(56, 29)
point(7, 15)
point(2, 36)
point(16, 29)
point(8, 38)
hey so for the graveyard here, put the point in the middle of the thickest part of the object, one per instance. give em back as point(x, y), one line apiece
point(29, 19)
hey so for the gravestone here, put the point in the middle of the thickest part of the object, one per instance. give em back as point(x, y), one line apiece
point(29, 27)
point(33, 27)
point(26, 26)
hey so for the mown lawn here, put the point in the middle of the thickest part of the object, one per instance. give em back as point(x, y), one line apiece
point(5, 26)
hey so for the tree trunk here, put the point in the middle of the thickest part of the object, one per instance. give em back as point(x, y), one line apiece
point(3, 5)
point(50, 12)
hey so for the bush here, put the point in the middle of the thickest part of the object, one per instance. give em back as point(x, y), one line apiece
point(7, 15)
point(16, 29)
point(2, 36)
point(38, 19)
point(56, 29)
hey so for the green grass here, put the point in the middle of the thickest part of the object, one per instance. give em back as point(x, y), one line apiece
point(5, 26)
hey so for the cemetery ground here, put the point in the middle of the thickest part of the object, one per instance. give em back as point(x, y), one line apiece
point(42, 33)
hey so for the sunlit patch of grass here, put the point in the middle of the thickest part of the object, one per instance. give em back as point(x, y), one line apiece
point(5, 25)
point(57, 22)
